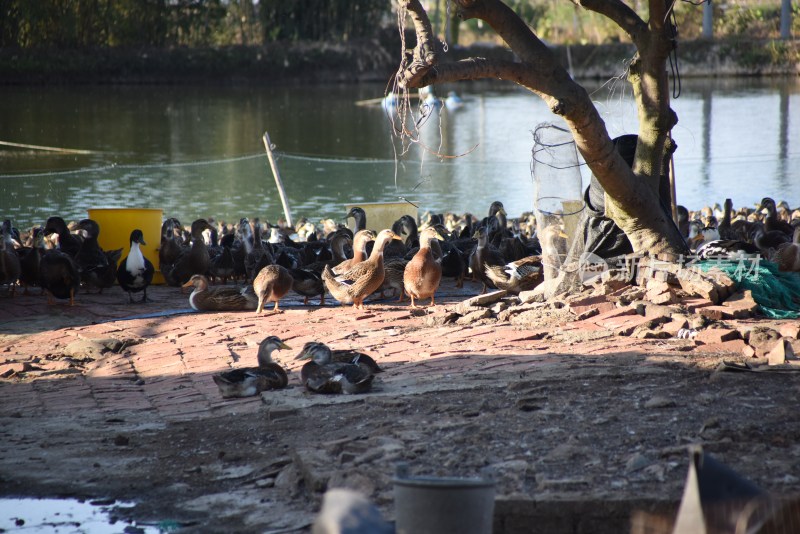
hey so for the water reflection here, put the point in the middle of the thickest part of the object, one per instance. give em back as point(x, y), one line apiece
point(197, 151)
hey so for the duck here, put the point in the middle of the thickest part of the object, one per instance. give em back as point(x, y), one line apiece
point(360, 240)
point(308, 283)
point(170, 248)
point(390, 102)
point(724, 227)
point(359, 217)
point(451, 259)
point(257, 256)
point(324, 375)
point(706, 234)
point(354, 285)
point(683, 220)
point(222, 264)
point(428, 100)
point(68, 242)
point(483, 255)
point(219, 298)
point(553, 243)
point(94, 264)
point(135, 272)
point(423, 273)
point(348, 356)
point(30, 258)
point(250, 381)
point(517, 276)
point(772, 222)
point(768, 242)
point(726, 249)
point(393, 277)
point(10, 268)
point(453, 101)
point(59, 276)
point(271, 284)
point(787, 256)
point(194, 260)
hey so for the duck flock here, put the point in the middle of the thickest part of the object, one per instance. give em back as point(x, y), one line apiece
point(770, 231)
point(315, 259)
point(268, 261)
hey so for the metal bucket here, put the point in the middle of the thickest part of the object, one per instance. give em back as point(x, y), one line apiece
point(428, 505)
point(116, 225)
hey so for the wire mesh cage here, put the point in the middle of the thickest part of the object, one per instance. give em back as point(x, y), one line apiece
point(558, 199)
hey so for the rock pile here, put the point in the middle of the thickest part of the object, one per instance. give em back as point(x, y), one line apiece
point(661, 300)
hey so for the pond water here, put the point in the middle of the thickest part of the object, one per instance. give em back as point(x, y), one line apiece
point(197, 150)
point(71, 516)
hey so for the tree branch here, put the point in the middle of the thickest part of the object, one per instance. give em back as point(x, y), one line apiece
point(416, 64)
point(509, 26)
point(620, 13)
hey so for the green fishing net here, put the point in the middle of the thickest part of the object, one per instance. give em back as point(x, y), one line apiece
point(777, 293)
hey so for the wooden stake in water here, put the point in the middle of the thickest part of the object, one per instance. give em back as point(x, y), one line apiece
point(278, 182)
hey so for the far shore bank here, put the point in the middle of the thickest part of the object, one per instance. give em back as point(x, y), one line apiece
point(371, 61)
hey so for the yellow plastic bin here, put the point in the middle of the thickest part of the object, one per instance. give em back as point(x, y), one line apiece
point(116, 225)
point(381, 215)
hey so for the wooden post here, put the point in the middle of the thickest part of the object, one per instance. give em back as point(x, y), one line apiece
point(278, 182)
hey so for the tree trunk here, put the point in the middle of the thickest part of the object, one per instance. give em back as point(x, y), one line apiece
point(632, 193)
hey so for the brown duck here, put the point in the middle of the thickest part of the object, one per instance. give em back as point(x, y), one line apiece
point(219, 298)
point(324, 375)
point(251, 381)
point(423, 273)
point(354, 285)
point(360, 240)
point(271, 285)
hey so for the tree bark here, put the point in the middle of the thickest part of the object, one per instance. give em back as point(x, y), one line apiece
point(632, 192)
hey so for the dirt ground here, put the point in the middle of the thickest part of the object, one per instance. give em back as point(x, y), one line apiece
point(579, 427)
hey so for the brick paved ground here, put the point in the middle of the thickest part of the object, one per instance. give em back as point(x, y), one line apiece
point(55, 368)
point(172, 351)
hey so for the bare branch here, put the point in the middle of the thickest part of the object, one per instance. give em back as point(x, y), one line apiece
point(625, 17)
point(481, 68)
point(509, 26)
point(417, 64)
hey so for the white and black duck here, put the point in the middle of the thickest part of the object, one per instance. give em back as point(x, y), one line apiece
point(135, 273)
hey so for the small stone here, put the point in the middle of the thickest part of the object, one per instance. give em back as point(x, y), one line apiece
point(673, 327)
point(659, 402)
point(790, 329)
point(485, 299)
point(591, 312)
point(763, 339)
point(439, 319)
point(10, 369)
point(781, 352)
point(637, 462)
point(474, 316)
point(717, 335)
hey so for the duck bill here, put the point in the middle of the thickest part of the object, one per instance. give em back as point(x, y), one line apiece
point(303, 356)
point(188, 284)
point(284, 346)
